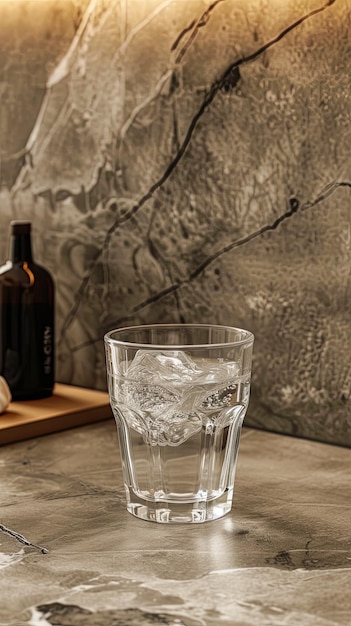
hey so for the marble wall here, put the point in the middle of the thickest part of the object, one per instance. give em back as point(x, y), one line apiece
point(190, 161)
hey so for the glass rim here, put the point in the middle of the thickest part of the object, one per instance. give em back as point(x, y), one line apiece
point(247, 340)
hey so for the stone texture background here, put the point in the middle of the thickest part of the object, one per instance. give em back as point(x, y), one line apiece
point(190, 161)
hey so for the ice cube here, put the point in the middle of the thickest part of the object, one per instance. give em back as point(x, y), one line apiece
point(171, 393)
point(147, 398)
point(214, 386)
point(143, 367)
point(174, 428)
point(177, 366)
point(151, 366)
point(221, 398)
point(219, 372)
point(182, 427)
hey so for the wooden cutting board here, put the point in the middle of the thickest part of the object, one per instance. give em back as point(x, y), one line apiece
point(69, 406)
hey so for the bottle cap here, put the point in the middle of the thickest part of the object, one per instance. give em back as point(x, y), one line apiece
point(19, 227)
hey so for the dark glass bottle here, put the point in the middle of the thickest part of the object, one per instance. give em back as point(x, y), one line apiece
point(27, 359)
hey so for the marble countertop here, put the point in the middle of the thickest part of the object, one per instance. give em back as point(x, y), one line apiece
point(71, 555)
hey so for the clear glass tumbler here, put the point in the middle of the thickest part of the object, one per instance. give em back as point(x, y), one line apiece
point(179, 394)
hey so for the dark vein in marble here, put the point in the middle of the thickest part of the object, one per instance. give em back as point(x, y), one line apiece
point(294, 208)
point(216, 87)
point(193, 29)
point(208, 99)
point(182, 34)
point(63, 614)
point(22, 539)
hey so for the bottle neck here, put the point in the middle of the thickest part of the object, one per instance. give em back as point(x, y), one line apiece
point(21, 248)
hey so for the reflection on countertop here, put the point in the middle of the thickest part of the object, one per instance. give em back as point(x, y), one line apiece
point(282, 556)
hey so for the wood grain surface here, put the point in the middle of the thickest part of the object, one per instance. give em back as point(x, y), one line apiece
point(69, 406)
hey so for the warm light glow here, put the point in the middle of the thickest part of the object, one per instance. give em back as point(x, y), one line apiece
point(29, 273)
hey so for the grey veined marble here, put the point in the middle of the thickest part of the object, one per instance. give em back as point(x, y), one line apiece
point(70, 554)
point(190, 161)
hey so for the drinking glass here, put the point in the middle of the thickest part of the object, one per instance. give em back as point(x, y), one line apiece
point(179, 394)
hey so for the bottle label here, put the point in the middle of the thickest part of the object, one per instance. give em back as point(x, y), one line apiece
point(47, 349)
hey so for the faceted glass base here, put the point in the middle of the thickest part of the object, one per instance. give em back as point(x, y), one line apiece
point(180, 512)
